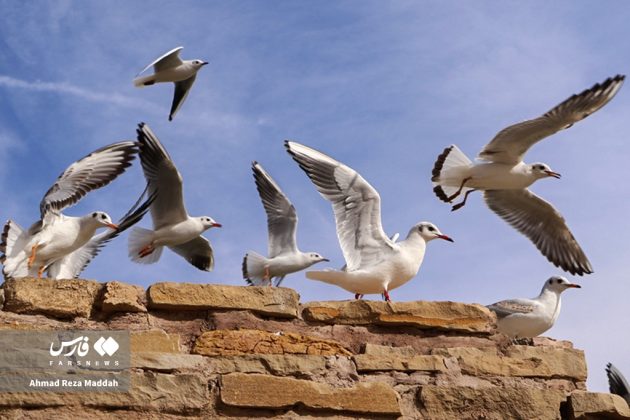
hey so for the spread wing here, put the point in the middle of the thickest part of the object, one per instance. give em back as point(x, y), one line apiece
point(543, 225)
point(511, 143)
point(181, 92)
point(95, 170)
point(356, 204)
point(73, 264)
point(617, 383)
point(281, 216)
point(198, 252)
point(512, 306)
point(168, 60)
point(163, 180)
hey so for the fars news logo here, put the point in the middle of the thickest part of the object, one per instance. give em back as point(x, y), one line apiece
point(78, 352)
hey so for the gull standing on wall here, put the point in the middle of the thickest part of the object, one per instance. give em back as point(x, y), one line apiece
point(284, 256)
point(171, 68)
point(504, 177)
point(55, 236)
point(172, 226)
point(374, 263)
point(526, 318)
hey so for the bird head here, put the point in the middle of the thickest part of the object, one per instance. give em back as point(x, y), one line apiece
point(102, 219)
point(208, 222)
point(428, 231)
point(314, 257)
point(542, 170)
point(559, 284)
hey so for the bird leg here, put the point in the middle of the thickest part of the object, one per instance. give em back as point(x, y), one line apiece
point(267, 276)
point(147, 250)
point(459, 191)
point(31, 258)
point(358, 296)
point(386, 296)
point(463, 203)
point(40, 272)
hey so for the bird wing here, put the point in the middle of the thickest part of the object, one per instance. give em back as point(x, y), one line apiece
point(181, 92)
point(168, 60)
point(198, 252)
point(356, 204)
point(93, 171)
point(511, 143)
point(617, 383)
point(542, 224)
point(512, 306)
point(73, 264)
point(163, 178)
point(281, 215)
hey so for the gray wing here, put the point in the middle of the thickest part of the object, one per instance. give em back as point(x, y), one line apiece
point(198, 252)
point(281, 215)
point(73, 264)
point(511, 143)
point(163, 178)
point(168, 60)
point(543, 225)
point(181, 92)
point(356, 204)
point(512, 306)
point(95, 170)
point(617, 383)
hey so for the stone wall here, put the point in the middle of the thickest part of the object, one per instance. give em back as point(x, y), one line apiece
point(210, 351)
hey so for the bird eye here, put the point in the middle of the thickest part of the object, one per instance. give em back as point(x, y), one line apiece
point(93, 214)
point(431, 229)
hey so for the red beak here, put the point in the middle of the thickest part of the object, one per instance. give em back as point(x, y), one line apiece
point(216, 225)
point(553, 174)
point(577, 286)
point(446, 238)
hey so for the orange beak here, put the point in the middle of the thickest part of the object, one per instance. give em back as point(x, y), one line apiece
point(111, 225)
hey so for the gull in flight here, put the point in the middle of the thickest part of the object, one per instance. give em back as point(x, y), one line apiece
point(374, 263)
point(526, 318)
point(171, 68)
point(52, 239)
point(617, 383)
point(504, 177)
point(284, 255)
point(172, 226)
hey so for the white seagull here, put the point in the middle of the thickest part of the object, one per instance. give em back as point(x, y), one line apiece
point(374, 263)
point(617, 383)
point(172, 225)
point(526, 318)
point(171, 68)
point(504, 177)
point(55, 236)
point(284, 255)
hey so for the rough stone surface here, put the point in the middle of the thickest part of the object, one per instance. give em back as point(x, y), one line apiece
point(57, 298)
point(154, 341)
point(273, 301)
point(493, 403)
point(594, 405)
point(233, 343)
point(121, 297)
point(449, 316)
point(265, 391)
point(377, 358)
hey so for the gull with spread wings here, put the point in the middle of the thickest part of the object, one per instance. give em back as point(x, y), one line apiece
point(617, 383)
point(374, 262)
point(504, 177)
point(46, 244)
point(284, 256)
point(171, 68)
point(172, 226)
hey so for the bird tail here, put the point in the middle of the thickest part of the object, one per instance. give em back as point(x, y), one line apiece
point(140, 238)
point(144, 81)
point(327, 276)
point(13, 258)
point(254, 269)
point(449, 170)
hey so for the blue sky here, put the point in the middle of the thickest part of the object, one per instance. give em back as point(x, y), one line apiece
point(380, 86)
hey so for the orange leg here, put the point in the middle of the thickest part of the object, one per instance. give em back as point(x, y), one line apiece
point(267, 275)
point(31, 259)
point(40, 272)
point(147, 250)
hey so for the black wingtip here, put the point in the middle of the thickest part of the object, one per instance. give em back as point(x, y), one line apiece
point(439, 163)
point(244, 270)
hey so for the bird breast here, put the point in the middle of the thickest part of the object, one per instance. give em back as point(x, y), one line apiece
point(499, 176)
point(178, 233)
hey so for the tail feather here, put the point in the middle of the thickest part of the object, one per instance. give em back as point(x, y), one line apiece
point(144, 81)
point(327, 276)
point(449, 171)
point(254, 269)
point(14, 258)
point(138, 239)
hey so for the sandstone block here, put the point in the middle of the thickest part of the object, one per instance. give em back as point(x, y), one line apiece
point(167, 362)
point(239, 342)
point(274, 301)
point(366, 362)
point(154, 341)
point(594, 405)
point(276, 364)
point(263, 391)
point(449, 316)
point(57, 298)
point(121, 297)
point(494, 403)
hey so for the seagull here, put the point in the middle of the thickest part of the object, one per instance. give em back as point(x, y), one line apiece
point(172, 225)
point(171, 68)
point(55, 236)
point(504, 177)
point(617, 383)
point(284, 255)
point(527, 318)
point(374, 263)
